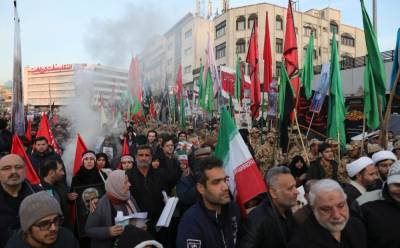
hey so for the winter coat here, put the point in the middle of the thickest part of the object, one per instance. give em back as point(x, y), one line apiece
point(381, 219)
point(186, 192)
point(65, 238)
point(264, 227)
point(312, 235)
point(200, 227)
point(171, 170)
point(38, 158)
point(9, 206)
point(99, 222)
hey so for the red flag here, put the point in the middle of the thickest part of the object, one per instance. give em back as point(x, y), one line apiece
point(80, 148)
point(45, 131)
point(28, 132)
point(153, 112)
point(267, 57)
point(228, 82)
point(18, 149)
point(252, 59)
point(134, 83)
point(179, 84)
point(290, 51)
point(125, 148)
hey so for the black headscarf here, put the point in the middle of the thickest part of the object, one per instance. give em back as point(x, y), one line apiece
point(296, 172)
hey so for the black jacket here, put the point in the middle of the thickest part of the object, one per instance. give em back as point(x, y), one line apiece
point(38, 158)
point(381, 219)
point(65, 238)
point(264, 227)
point(171, 171)
point(9, 206)
point(312, 235)
point(202, 227)
point(352, 193)
point(316, 171)
point(147, 192)
point(59, 191)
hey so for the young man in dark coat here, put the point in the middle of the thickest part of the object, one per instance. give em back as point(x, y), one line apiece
point(40, 218)
point(271, 224)
point(13, 190)
point(330, 224)
point(325, 166)
point(382, 217)
point(213, 221)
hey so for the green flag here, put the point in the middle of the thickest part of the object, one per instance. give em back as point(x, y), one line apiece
point(336, 108)
point(182, 118)
point(284, 84)
point(307, 74)
point(238, 80)
point(200, 83)
point(136, 105)
point(375, 58)
point(209, 95)
point(371, 110)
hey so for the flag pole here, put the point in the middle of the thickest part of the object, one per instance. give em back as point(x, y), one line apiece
point(389, 105)
point(301, 138)
point(309, 126)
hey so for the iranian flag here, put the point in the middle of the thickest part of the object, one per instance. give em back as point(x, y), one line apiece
point(245, 181)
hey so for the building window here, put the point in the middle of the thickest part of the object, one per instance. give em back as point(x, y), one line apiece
point(188, 51)
point(250, 22)
point(347, 61)
point(278, 68)
point(188, 69)
point(315, 52)
point(220, 29)
point(279, 22)
point(347, 40)
point(307, 30)
point(334, 27)
point(241, 23)
point(188, 34)
point(220, 50)
point(240, 46)
point(279, 45)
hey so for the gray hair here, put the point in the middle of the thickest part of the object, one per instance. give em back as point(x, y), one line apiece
point(324, 186)
point(273, 173)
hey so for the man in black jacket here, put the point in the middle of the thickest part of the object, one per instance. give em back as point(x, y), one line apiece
point(13, 190)
point(213, 221)
point(325, 166)
point(51, 178)
point(382, 217)
point(271, 224)
point(42, 152)
point(330, 224)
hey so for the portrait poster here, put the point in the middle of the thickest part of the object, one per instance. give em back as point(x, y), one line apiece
point(86, 195)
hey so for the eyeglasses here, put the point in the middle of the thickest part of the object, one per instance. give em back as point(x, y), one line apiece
point(46, 224)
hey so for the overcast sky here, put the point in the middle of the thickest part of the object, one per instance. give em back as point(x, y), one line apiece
point(108, 32)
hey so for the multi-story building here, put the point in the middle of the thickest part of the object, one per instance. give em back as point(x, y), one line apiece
point(59, 84)
point(5, 96)
point(234, 26)
point(183, 44)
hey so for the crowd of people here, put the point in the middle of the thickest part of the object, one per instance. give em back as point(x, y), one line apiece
point(352, 195)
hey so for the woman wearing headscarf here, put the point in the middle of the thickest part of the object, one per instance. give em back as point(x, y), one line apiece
point(100, 226)
point(103, 164)
point(298, 169)
point(88, 174)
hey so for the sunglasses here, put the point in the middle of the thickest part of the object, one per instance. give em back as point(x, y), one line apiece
point(46, 224)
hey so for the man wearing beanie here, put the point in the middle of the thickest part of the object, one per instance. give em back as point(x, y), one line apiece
point(362, 173)
point(40, 218)
point(382, 217)
point(13, 189)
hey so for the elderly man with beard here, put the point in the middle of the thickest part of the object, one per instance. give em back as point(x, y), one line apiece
point(330, 225)
point(382, 217)
point(271, 223)
point(13, 189)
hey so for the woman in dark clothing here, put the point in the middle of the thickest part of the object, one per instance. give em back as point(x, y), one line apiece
point(88, 174)
point(103, 164)
point(298, 169)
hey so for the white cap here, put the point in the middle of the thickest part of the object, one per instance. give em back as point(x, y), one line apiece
point(394, 173)
point(358, 165)
point(383, 155)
